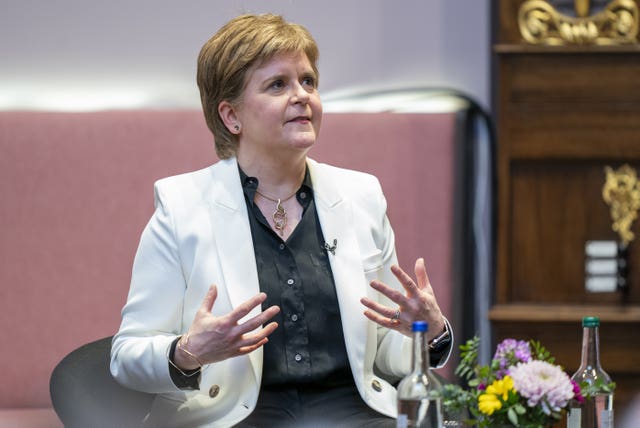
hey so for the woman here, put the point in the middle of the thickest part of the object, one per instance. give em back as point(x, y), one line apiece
point(293, 247)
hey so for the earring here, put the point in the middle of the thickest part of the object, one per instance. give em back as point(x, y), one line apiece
point(237, 127)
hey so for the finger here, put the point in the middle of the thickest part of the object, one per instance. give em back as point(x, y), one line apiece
point(377, 307)
point(382, 320)
point(209, 299)
point(245, 307)
point(247, 349)
point(248, 339)
point(421, 275)
point(406, 281)
point(394, 295)
point(251, 342)
point(258, 320)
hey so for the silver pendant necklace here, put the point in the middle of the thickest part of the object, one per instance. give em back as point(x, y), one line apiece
point(279, 216)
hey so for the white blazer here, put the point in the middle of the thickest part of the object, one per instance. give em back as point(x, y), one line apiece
point(199, 235)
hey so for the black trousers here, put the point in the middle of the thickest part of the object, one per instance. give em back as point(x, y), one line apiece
point(313, 407)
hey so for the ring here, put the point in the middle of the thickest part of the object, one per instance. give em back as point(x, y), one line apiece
point(396, 316)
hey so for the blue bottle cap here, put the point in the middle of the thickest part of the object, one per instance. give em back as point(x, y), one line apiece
point(420, 326)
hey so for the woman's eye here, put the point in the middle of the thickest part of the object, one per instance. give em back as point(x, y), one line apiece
point(309, 81)
point(277, 84)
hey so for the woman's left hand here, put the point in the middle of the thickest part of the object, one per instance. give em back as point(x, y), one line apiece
point(418, 304)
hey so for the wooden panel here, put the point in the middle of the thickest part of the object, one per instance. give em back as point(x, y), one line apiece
point(581, 76)
point(566, 106)
point(561, 313)
point(574, 132)
point(556, 135)
point(555, 209)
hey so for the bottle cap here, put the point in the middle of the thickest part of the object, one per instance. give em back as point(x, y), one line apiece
point(420, 326)
point(590, 322)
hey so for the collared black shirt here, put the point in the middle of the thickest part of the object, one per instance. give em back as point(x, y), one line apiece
point(308, 346)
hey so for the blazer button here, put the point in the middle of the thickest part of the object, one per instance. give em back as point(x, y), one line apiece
point(375, 384)
point(213, 391)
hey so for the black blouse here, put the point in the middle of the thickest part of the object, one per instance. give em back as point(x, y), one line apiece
point(308, 346)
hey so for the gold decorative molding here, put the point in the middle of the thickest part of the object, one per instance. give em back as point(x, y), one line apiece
point(621, 191)
point(541, 24)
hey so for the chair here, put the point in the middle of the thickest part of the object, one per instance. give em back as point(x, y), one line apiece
point(84, 394)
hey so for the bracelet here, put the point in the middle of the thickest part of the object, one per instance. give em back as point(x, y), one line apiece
point(189, 353)
point(193, 373)
point(171, 355)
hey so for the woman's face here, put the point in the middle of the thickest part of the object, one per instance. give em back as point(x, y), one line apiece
point(280, 109)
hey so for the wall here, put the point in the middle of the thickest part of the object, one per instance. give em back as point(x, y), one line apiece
point(88, 55)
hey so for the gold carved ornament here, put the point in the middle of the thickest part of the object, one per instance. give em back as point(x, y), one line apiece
point(621, 191)
point(541, 24)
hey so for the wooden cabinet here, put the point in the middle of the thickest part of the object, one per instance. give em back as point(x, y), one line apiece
point(563, 113)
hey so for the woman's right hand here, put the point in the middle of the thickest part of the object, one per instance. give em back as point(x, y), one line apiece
point(211, 339)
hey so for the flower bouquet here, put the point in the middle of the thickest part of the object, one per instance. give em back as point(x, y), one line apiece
point(521, 387)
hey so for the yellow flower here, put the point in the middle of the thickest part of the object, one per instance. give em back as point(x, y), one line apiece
point(490, 401)
point(501, 387)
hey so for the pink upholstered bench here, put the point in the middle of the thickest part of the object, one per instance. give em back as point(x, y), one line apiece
point(76, 193)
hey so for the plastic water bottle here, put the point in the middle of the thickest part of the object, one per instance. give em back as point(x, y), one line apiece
point(597, 411)
point(419, 393)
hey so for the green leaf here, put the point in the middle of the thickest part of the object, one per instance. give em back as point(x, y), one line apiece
point(468, 358)
point(540, 352)
point(590, 389)
point(513, 418)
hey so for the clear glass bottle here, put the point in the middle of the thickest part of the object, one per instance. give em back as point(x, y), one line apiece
point(597, 411)
point(419, 393)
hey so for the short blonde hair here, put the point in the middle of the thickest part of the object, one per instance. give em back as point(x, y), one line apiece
point(225, 59)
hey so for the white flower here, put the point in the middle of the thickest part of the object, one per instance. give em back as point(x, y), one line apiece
point(542, 383)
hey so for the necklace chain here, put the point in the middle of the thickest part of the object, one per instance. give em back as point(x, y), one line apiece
point(279, 216)
point(277, 200)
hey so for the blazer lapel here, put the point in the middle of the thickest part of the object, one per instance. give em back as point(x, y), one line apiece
point(337, 221)
point(234, 243)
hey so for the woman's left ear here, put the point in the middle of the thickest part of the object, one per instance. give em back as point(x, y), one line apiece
point(229, 118)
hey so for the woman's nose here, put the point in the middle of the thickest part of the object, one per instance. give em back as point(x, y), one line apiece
point(300, 94)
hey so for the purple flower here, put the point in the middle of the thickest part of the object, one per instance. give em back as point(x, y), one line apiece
point(577, 393)
point(509, 353)
point(542, 384)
